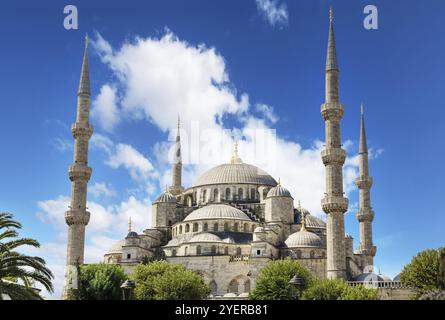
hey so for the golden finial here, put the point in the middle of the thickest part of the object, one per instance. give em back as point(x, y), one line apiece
point(303, 218)
point(235, 156)
point(129, 224)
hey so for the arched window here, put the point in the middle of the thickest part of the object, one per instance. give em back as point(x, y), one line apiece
point(213, 250)
point(180, 229)
point(226, 226)
point(252, 194)
point(265, 193)
point(204, 196)
point(213, 287)
point(215, 227)
point(246, 227)
point(238, 251)
point(247, 286)
point(186, 249)
point(169, 223)
point(233, 287)
point(298, 254)
point(187, 228)
point(195, 227)
point(240, 193)
point(235, 227)
point(198, 249)
point(227, 193)
point(312, 254)
point(226, 250)
point(252, 228)
point(215, 195)
point(174, 253)
point(205, 227)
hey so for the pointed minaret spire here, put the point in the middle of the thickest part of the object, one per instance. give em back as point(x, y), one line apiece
point(331, 57)
point(176, 187)
point(84, 84)
point(363, 148)
point(365, 215)
point(77, 216)
point(334, 204)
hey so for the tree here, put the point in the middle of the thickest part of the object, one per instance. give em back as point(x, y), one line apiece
point(160, 280)
point(325, 290)
point(19, 272)
point(423, 273)
point(273, 282)
point(338, 290)
point(100, 282)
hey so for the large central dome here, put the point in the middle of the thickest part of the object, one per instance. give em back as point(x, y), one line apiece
point(236, 173)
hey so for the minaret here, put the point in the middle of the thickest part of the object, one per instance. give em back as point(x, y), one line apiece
point(365, 215)
point(334, 203)
point(176, 187)
point(79, 172)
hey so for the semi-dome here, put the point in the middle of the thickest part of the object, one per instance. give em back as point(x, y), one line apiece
point(166, 197)
point(278, 191)
point(217, 211)
point(236, 173)
point(303, 239)
point(117, 247)
point(132, 234)
point(311, 221)
point(205, 237)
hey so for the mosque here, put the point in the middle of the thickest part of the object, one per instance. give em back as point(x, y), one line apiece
point(236, 217)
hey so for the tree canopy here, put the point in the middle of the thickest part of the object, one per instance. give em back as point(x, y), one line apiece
point(273, 282)
point(101, 282)
point(160, 280)
point(20, 272)
point(425, 272)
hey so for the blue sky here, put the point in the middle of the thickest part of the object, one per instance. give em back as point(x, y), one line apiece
point(397, 71)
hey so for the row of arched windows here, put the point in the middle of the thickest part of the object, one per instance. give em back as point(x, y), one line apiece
point(230, 195)
point(206, 226)
point(213, 250)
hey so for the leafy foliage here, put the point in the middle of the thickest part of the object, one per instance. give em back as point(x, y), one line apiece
point(100, 282)
point(160, 280)
point(20, 272)
point(273, 282)
point(338, 290)
point(425, 272)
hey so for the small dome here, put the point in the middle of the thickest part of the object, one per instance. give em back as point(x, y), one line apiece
point(311, 221)
point(368, 277)
point(217, 211)
point(172, 243)
point(303, 239)
point(397, 277)
point(205, 237)
point(132, 234)
point(279, 191)
point(166, 197)
point(117, 247)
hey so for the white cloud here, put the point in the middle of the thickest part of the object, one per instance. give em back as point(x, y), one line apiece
point(62, 144)
point(165, 77)
point(101, 188)
point(128, 157)
point(275, 14)
point(267, 111)
point(105, 108)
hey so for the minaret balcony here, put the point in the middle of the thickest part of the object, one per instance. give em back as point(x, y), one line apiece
point(333, 156)
point(332, 111)
point(77, 217)
point(79, 129)
point(363, 182)
point(334, 204)
point(365, 215)
point(370, 251)
point(79, 172)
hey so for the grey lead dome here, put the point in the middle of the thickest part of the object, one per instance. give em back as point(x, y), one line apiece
point(236, 173)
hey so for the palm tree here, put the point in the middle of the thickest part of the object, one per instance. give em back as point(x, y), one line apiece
point(18, 272)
